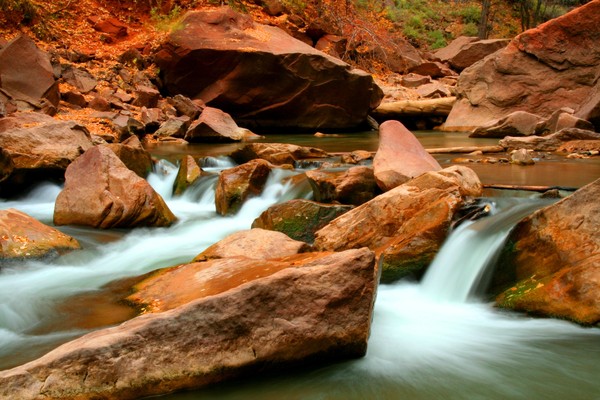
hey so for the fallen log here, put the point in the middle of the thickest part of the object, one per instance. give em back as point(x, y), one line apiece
point(412, 108)
point(529, 188)
point(466, 149)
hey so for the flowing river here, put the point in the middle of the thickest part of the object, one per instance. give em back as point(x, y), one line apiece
point(434, 339)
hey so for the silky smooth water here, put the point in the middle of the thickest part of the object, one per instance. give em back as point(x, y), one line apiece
point(429, 340)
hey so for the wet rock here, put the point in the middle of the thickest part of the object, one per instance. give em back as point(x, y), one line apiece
point(237, 184)
point(27, 76)
point(100, 191)
point(318, 309)
point(356, 157)
point(6, 165)
point(22, 236)
point(299, 219)
point(518, 123)
point(400, 156)
point(276, 153)
point(255, 243)
point(231, 61)
point(521, 157)
point(353, 186)
point(548, 143)
point(552, 262)
point(214, 125)
point(406, 225)
point(542, 70)
point(188, 173)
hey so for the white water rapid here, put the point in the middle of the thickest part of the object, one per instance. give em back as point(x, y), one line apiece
point(429, 340)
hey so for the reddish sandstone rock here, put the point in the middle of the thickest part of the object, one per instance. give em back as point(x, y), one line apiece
point(299, 218)
point(353, 186)
point(189, 171)
point(550, 142)
point(214, 125)
point(256, 243)
point(276, 153)
point(542, 70)
point(314, 308)
point(400, 156)
point(27, 76)
point(553, 260)
point(466, 51)
point(6, 165)
point(237, 184)
point(406, 225)
point(518, 123)
point(22, 236)
point(100, 191)
point(134, 156)
point(230, 62)
point(49, 145)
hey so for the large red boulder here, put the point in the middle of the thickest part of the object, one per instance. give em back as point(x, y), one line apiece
point(241, 317)
point(100, 191)
point(542, 70)
point(400, 156)
point(552, 260)
point(261, 76)
point(27, 76)
point(22, 236)
point(465, 51)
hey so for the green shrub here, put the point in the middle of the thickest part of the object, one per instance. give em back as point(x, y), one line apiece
point(436, 39)
point(470, 29)
point(470, 14)
point(25, 8)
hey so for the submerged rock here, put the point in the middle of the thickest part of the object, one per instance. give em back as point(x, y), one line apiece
point(189, 172)
point(100, 191)
point(552, 260)
point(316, 308)
point(22, 236)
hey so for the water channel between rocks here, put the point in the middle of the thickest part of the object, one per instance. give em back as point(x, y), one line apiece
point(430, 340)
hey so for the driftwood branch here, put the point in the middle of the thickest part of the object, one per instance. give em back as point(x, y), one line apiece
point(466, 149)
point(530, 188)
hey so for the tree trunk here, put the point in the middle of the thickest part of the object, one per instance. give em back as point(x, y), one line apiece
point(483, 20)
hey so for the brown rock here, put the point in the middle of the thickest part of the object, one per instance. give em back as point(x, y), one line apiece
point(521, 157)
point(470, 51)
point(562, 119)
point(186, 106)
point(548, 143)
point(580, 146)
point(134, 156)
point(433, 90)
point(22, 236)
point(333, 45)
point(413, 80)
point(52, 145)
point(27, 76)
point(174, 127)
point(406, 225)
point(518, 123)
point(111, 26)
point(317, 310)
point(100, 191)
point(542, 70)
point(229, 61)
point(146, 96)
point(188, 173)
point(356, 157)
point(6, 164)
point(590, 108)
point(400, 156)
point(237, 184)
point(299, 219)
point(256, 243)
point(276, 153)
point(433, 69)
point(552, 259)
point(354, 186)
point(214, 125)
point(79, 78)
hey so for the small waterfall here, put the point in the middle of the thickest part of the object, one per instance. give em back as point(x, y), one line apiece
point(459, 269)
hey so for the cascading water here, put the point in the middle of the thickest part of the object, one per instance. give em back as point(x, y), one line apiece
point(428, 341)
